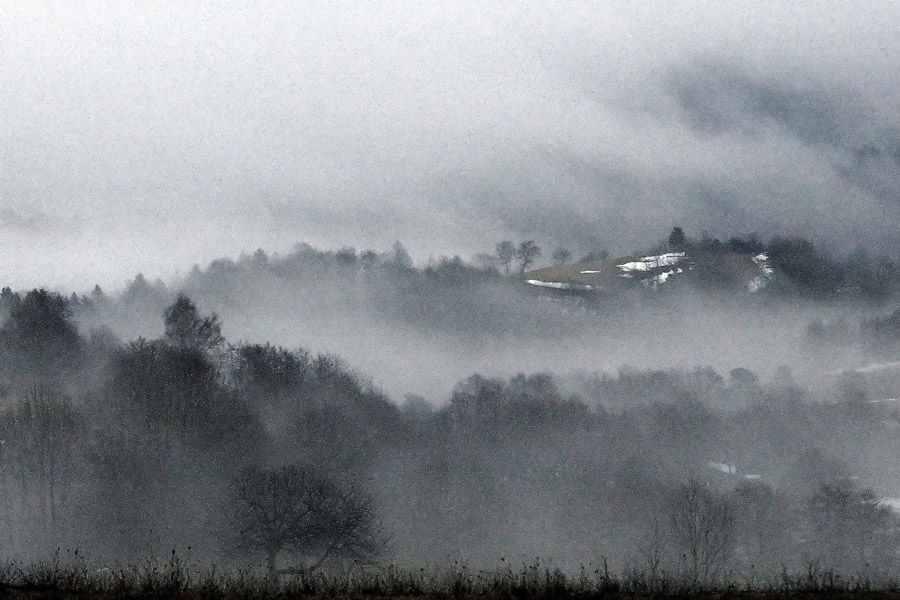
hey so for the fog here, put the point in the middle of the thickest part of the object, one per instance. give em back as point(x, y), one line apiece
point(477, 419)
point(205, 299)
point(404, 358)
point(423, 330)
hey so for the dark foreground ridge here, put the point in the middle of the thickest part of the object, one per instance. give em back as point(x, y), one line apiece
point(174, 580)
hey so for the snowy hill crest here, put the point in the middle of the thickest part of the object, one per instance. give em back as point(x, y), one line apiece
point(748, 272)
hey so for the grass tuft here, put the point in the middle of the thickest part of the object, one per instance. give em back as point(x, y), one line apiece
point(69, 576)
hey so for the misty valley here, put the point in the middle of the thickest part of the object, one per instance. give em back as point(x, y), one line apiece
point(702, 411)
point(449, 300)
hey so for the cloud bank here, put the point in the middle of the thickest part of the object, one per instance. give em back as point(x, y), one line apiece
point(151, 137)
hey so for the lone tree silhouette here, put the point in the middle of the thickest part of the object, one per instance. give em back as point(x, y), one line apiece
point(299, 510)
point(677, 239)
point(506, 252)
point(527, 252)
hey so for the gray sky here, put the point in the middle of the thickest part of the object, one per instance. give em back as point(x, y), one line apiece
point(153, 136)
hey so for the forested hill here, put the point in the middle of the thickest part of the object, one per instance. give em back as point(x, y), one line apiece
point(488, 296)
point(124, 449)
point(471, 415)
point(789, 269)
point(450, 317)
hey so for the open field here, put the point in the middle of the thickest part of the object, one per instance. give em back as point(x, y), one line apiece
point(174, 580)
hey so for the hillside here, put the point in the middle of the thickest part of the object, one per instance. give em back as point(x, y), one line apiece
point(744, 271)
point(419, 329)
point(483, 420)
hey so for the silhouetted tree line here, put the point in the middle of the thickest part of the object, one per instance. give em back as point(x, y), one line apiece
point(446, 294)
point(476, 302)
point(803, 269)
point(253, 452)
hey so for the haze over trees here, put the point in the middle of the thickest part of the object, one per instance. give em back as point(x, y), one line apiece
point(288, 458)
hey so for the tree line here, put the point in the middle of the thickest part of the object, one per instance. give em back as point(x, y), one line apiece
point(804, 269)
point(455, 296)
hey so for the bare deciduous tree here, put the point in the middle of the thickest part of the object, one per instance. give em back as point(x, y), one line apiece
point(527, 252)
point(703, 528)
point(39, 445)
point(296, 509)
point(506, 252)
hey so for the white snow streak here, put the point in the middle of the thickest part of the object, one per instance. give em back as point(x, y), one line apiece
point(762, 261)
point(649, 263)
point(723, 467)
point(760, 281)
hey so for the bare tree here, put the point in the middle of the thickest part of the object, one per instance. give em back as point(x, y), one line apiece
point(651, 551)
point(40, 436)
point(527, 252)
point(703, 528)
point(296, 509)
point(506, 252)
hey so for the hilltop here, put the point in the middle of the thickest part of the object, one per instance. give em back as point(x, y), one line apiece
point(739, 271)
point(791, 267)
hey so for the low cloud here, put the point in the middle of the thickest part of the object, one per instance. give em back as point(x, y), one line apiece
point(33, 223)
point(215, 130)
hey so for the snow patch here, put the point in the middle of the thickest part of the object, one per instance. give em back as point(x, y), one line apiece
point(723, 467)
point(762, 261)
point(892, 503)
point(759, 282)
point(756, 284)
point(661, 277)
point(648, 263)
point(590, 272)
point(561, 285)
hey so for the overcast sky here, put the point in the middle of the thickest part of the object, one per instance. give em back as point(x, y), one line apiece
point(154, 136)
